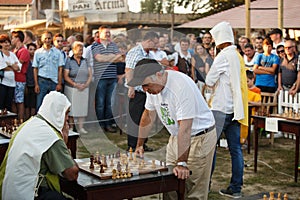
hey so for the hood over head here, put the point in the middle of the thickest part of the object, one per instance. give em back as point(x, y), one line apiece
point(53, 109)
point(222, 32)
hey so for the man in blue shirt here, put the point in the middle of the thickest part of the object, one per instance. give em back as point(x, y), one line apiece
point(47, 68)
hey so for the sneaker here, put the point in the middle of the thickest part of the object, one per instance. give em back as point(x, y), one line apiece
point(229, 193)
point(111, 129)
point(279, 134)
point(83, 131)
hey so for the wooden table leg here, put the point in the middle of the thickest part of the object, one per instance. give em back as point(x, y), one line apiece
point(181, 189)
point(249, 128)
point(296, 157)
point(256, 131)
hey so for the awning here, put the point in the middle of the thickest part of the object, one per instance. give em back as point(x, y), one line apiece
point(26, 25)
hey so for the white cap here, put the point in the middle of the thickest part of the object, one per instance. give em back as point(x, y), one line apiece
point(171, 57)
point(222, 32)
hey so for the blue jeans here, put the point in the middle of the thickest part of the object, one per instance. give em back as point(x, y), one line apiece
point(104, 91)
point(46, 85)
point(231, 129)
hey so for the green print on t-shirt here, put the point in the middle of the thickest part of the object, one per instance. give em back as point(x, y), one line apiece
point(166, 115)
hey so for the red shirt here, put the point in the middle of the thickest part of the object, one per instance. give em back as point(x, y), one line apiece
point(22, 54)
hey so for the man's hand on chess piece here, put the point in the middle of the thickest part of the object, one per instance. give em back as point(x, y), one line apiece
point(139, 151)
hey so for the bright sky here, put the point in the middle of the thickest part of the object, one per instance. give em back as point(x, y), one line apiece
point(135, 6)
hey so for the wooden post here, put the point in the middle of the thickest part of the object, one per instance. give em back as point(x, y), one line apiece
point(172, 23)
point(280, 14)
point(248, 16)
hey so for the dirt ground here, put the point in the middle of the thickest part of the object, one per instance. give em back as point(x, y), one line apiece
point(275, 163)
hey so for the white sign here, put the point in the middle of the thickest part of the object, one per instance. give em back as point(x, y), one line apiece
point(111, 6)
point(272, 124)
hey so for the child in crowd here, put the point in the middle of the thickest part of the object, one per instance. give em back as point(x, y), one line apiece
point(254, 99)
point(172, 65)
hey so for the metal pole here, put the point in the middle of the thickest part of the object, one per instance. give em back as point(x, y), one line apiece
point(247, 7)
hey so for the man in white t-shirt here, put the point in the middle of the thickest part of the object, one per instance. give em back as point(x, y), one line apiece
point(183, 111)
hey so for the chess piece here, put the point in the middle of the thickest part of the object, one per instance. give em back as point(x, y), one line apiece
point(129, 173)
point(140, 166)
point(104, 161)
point(290, 112)
point(271, 196)
point(99, 160)
point(134, 158)
point(112, 162)
point(153, 164)
point(96, 157)
point(265, 197)
point(92, 161)
point(126, 167)
point(101, 168)
point(279, 196)
point(143, 164)
point(118, 154)
point(285, 196)
point(114, 174)
point(15, 123)
point(119, 166)
point(130, 153)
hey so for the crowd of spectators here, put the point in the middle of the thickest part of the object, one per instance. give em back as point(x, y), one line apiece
point(32, 67)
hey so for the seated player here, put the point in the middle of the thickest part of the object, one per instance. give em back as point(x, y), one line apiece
point(183, 111)
point(254, 99)
point(37, 154)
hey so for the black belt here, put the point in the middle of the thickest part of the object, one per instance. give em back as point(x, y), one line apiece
point(204, 131)
point(48, 79)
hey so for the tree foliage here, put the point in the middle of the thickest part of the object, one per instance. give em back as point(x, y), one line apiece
point(152, 6)
point(213, 6)
point(201, 8)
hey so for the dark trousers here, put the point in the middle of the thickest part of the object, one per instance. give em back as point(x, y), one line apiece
point(47, 194)
point(6, 96)
point(136, 109)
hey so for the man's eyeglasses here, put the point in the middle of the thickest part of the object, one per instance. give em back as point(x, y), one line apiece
point(280, 51)
point(289, 47)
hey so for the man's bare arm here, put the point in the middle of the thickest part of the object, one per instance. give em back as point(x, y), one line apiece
point(184, 139)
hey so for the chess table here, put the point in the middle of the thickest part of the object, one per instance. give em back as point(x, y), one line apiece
point(4, 141)
point(72, 144)
point(290, 126)
point(89, 187)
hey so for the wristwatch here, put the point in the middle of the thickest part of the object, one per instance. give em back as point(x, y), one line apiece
point(183, 164)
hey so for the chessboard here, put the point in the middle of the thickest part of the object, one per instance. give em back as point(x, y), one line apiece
point(118, 166)
point(287, 116)
point(9, 127)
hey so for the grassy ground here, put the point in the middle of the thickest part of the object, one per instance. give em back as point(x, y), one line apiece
point(275, 163)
